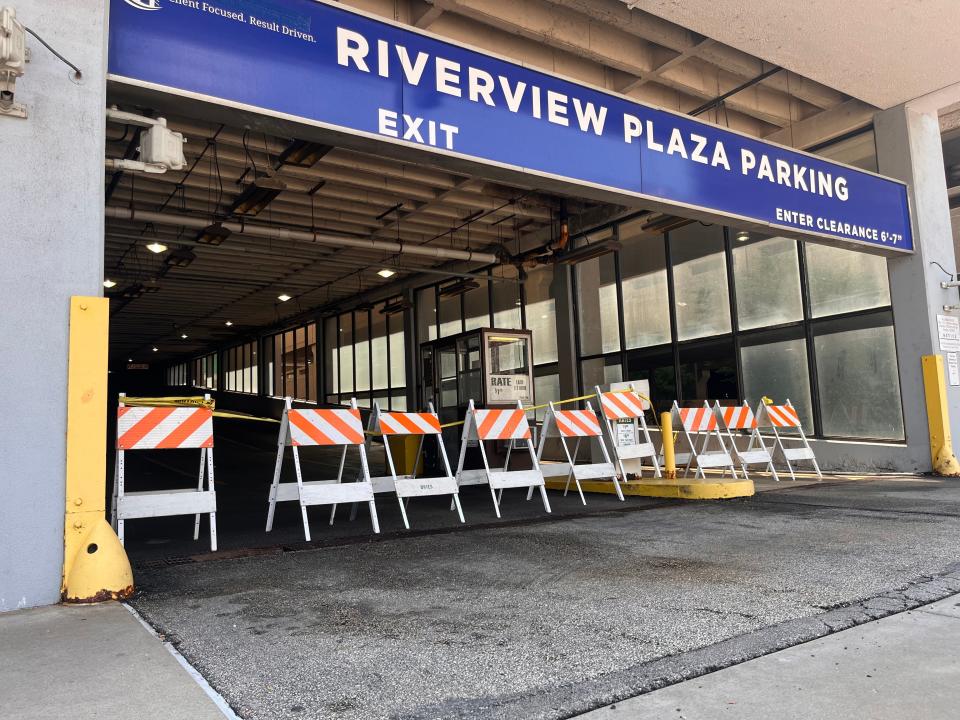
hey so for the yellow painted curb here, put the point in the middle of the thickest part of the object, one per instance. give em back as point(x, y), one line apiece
point(684, 490)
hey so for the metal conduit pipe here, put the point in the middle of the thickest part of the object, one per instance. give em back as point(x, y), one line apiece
point(275, 233)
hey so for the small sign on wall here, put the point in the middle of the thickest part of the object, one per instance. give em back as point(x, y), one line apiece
point(948, 328)
point(953, 368)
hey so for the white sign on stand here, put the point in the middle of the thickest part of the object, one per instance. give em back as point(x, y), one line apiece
point(948, 328)
point(503, 389)
point(953, 368)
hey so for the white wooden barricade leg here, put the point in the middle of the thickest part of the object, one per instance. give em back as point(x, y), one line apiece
point(164, 428)
point(486, 425)
point(393, 424)
point(740, 418)
point(696, 422)
point(621, 405)
point(328, 428)
point(781, 417)
point(577, 425)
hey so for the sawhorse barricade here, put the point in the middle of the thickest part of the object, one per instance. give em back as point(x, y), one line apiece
point(165, 428)
point(785, 417)
point(328, 428)
point(740, 419)
point(398, 424)
point(488, 425)
point(577, 425)
point(696, 422)
point(628, 405)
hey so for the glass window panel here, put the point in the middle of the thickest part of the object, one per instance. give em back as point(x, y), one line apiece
point(311, 362)
point(600, 371)
point(398, 401)
point(655, 366)
point(643, 273)
point(506, 299)
point(842, 280)
point(289, 365)
point(398, 350)
point(426, 314)
point(767, 275)
point(708, 372)
point(542, 314)
point(346, 354)
point(476, 307)
point(778, 369)
point(858, 383)
point(331, 356)
point(277, 341)
point(378, 345)
point(598, 312)
point(700, 281)
point(546, 388)
point(449, 313)
point(361, 355)
point(254, 367)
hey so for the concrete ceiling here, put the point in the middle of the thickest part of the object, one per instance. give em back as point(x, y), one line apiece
point(884, 52)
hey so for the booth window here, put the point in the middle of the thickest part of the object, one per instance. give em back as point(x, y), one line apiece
point(506, 298)
point(857, 376)
point(599, 309)
point(643, 271)
point(767, 275)
point(708, 372)
point(541, 313)
point(702, 293)
point(240, 368)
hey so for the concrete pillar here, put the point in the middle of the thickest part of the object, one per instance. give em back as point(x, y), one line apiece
point(51, 215)
point(909, 148)
point(562, 288)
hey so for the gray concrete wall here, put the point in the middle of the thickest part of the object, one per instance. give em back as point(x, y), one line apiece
point(909, 148)
point(51, 224)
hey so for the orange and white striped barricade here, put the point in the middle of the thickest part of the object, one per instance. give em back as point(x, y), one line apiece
point(740, 419)
point(785, 417)
point(628, 405)
point(701, 422)
point(486, 425)
point(327, 428)
point(422, 424)
point(165, 428)
point(577, 425)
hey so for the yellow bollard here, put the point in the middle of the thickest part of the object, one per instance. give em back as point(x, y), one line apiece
point(669, 460)
point(938, 417)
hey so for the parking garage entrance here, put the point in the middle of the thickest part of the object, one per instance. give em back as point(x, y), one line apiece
point(310, 202)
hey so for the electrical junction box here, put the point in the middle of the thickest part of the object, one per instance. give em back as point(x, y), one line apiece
point(160, 145)
point(13, 45)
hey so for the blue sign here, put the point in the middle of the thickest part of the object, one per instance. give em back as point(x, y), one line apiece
point(334, 67)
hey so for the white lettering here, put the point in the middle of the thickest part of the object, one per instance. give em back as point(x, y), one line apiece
point(413, 128)
point(352, 46)
point(588, 117)
point(513, 96)
point(765, 172)
point(720, 156)
point(697, 154)
point(448, 79)
point(651, 143)
point(842, 191)
point(383, 58)
point(412, 71)
point(557, 108)
point(676, 144)
point(748, 161)
point(449, 131)
point(632, 127)
point(388, 122)
point(480, 85)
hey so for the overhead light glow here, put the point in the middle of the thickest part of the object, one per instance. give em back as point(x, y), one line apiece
point(108, 283)
point(228, 323)
point(283, 298)
point(743, 236)
point(386, 272)
point(183, 335)
point(156, 247)
point(154, 349)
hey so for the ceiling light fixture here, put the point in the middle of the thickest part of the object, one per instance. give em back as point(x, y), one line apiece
point(283, 298)
point(156, 247)
point(133, 291)
point(303, 153)
point(257, 195)
point(743, 236)
point(154, 349)
point(588, 252)
point(459, 287)
point(386, 272)
point(213, 234)
point(108, 283)
point(183, 335)
point(228, 323)
point(397, 306)
point(181, 257)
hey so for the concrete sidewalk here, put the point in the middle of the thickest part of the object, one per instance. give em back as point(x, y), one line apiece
point(903, 666)
point(94, 661)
